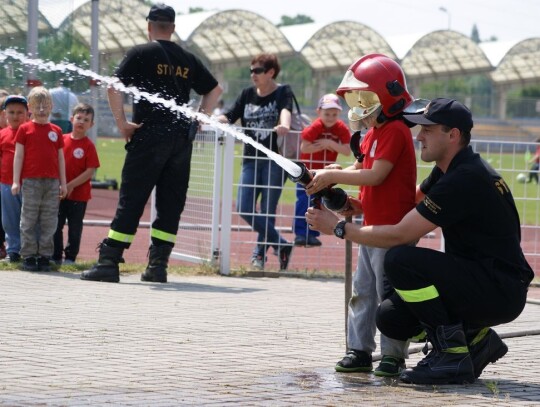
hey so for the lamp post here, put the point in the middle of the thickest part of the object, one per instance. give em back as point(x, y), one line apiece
point(444, 10)
point(32, 42)
point(94, 65)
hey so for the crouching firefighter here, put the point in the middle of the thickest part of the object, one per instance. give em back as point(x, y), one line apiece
point(482, 277)
point(159, 145)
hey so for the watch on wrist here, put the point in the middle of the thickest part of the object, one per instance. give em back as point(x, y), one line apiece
point(339, 230)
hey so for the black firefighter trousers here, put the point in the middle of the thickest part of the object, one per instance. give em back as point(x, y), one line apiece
point(154, 158)
point(477, 294)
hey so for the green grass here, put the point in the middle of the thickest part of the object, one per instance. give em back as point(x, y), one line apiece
point(111, 154)
point(111, 158)
point(127, 268)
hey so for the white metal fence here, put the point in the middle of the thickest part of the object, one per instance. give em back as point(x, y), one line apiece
point(212, 231)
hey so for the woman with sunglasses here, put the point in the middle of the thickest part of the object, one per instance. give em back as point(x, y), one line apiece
point(264, 111)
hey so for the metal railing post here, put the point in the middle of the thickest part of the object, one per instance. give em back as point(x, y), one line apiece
point(226, 205)
point(348, 282)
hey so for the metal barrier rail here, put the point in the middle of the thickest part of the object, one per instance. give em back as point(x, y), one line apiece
point(212, 231)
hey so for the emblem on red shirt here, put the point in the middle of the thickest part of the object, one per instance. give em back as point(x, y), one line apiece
point(78, 153)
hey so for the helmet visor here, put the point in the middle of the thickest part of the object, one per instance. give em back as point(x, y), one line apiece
point(349, 81)
point(364, 121)
point(362, 103)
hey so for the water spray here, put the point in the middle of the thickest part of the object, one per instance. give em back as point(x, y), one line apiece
point(333, 198)
point(289, 166)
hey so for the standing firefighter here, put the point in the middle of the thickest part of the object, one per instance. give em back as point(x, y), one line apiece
point(158, 145)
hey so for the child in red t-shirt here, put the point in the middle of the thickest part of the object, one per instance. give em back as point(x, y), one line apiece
point(535, 160)
point(81, 163)
point(16, 110)
point(385, 171)
point(39, 166)
point(3, 124)
point(322, 141)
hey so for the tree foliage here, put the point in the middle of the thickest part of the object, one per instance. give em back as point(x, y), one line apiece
point(475, 36)
point(298, 19)
point(195, 10)
point(64, 47)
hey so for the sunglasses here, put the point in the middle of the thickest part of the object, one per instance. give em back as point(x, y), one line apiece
point(257, 71)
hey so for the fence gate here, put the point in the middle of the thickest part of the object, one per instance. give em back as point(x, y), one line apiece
point(197, 239)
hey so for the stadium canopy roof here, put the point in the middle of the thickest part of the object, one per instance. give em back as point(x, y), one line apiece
point(117, 34)
point(444, 54)
point(230, 37)
point(335, 46)
point(14, 23)
point(222, 38)
point(520, 65)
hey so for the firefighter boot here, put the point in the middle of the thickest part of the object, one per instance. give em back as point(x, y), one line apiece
point(156, 271)
point(449, 361)
point(485, 347)
point(106, 268)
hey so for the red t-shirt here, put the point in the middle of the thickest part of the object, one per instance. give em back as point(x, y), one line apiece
point(41, 144)
point(339, 132)
point(7, 152)
point(387, 203)
point(80, 154)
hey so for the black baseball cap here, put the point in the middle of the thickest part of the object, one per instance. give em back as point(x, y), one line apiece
point(161, 12)
point(448, 112)
point(14, 99)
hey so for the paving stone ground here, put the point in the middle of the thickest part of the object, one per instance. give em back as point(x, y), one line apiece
point(214, 341)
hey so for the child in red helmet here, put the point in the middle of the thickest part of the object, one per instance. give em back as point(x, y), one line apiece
point(375, 90)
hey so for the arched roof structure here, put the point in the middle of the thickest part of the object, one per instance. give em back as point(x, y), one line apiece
point(230, 37)
point(117, 34)
point(227, 38)
point(14, 23)
point(444, 54)
point(333, 47)
point(520, 65)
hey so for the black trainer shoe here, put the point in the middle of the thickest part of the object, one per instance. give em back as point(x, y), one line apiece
point(312, 241)
point(44, 264)
point(390, 366)
point(355, 361)
point(14, 257)
point(284, 257)
point(30, 263)
point(58, 262)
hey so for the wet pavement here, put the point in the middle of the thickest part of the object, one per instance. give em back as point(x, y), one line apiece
point(215, 341)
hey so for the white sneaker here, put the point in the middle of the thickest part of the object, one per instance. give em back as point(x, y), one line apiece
point(257, 263)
